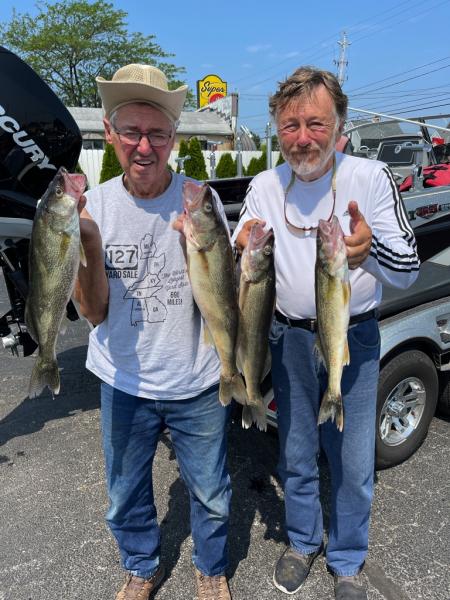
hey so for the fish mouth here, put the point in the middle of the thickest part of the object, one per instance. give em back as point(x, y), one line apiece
point(329, 227)
point(74, 183)
point(193, 195)
point(258, 237)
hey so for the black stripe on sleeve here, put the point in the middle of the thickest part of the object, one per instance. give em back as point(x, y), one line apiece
point(399, 208)
point(408, 268)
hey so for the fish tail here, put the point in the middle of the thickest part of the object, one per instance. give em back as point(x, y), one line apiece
point(331, 408)
point(239, 391)
point(247, 417)
point(256, 413)
point(45, 373)
point(232, 387)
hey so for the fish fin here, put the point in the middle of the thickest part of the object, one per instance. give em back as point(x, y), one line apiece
point(45, 373)
point(239, 391)
point(331, 408)
point(247, 418)
point(207, 337)
point(259, 415)
point(267, 365)
point(346, 357)
point(255, 414)
point(318, 352)
point(225, 391)
point(83, 260)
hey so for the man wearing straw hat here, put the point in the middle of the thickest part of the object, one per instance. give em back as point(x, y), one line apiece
point(147, 347)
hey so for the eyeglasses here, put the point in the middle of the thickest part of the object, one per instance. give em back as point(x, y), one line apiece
point(288, 189)
point(133, 138)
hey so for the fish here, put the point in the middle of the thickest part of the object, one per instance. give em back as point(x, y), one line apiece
point(256, 306)
point(212, 275)
point(54, 258)
point(332, 294)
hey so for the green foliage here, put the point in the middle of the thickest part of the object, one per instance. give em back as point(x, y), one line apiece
point(280, 160)
point(195, 167)
point(110, 165)
point(257, 139)
point(71, 42)
point(226, 167)
point(183, 150)
point(253, 167)
point(275, 142)
point(256, 165)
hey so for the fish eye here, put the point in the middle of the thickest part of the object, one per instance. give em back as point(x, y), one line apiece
point(207, 207)
point(267, 250)
point(59, 190)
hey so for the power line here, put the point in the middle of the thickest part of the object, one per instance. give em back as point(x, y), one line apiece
point(397, 75)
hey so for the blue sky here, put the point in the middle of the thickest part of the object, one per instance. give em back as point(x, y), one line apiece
point(399, 57)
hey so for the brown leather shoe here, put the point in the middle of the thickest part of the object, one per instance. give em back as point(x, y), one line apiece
point(212, 587)
point(138, 588)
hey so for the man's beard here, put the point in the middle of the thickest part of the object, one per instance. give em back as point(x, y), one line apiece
point(310, 161)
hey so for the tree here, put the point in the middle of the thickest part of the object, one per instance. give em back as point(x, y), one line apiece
point(226, 167)
point(275, 142)
point(195, 167)
point(71, 42)
point(110, 165)
point(280, 160)
point(257, 139)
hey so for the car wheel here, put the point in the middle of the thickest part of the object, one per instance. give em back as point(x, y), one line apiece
point(407, 397)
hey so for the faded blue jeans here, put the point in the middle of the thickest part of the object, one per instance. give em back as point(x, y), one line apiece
point(299, 382)
point(131, 427)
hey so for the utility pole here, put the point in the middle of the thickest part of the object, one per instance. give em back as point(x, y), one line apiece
point(342, 63)
point(269, 145)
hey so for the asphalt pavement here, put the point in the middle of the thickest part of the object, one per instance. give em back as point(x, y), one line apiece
point(54, 544)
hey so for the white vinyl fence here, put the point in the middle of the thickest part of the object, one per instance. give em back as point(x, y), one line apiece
point(91, 161)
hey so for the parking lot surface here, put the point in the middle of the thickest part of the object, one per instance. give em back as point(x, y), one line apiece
point(55, 544)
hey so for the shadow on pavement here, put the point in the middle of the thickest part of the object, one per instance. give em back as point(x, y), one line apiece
point(79, 392)
point(252, 462)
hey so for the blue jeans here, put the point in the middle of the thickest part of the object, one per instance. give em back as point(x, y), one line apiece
point(299, 382)
point(131, 427)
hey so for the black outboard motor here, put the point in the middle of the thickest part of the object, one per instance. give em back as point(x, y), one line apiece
point(37, 136)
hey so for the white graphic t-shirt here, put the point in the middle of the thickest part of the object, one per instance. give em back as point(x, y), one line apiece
point(151, 342)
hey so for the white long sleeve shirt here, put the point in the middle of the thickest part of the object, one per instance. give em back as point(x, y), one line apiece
point(393, 259)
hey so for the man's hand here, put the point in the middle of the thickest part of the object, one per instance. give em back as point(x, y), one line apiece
point(178, 223)
point(89, 232)
point(359, 242)
point(242, 239)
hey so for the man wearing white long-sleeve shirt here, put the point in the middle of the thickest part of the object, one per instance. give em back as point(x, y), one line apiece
point(315, 183)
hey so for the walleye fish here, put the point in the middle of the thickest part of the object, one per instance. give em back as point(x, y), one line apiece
point(211, 270)
point(256, 304)
point(55, 254)
point(332, 289)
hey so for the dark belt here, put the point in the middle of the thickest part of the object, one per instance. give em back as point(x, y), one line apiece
point(311, 324)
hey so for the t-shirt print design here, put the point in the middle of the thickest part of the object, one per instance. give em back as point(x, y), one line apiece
point(122, 260)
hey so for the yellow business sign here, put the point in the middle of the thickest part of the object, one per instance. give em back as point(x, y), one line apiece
point(210, 89)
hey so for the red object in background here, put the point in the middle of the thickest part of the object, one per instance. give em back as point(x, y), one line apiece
point(433, 176)
point(215, 97)
point(272, 406)
point(437, 140)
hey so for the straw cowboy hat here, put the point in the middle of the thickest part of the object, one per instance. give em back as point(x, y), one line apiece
point(141, 83)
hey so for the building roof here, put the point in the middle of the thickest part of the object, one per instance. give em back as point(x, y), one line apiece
point(90, 120)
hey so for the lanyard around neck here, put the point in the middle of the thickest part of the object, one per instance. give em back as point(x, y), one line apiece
point(288, 189)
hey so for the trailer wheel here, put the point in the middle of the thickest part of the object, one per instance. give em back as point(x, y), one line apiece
point(407, 398)
point(444, 394)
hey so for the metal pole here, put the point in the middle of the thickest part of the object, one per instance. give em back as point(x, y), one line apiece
point(394, 119)
point(239, 155)
point(212, 164)
point(269, 145)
